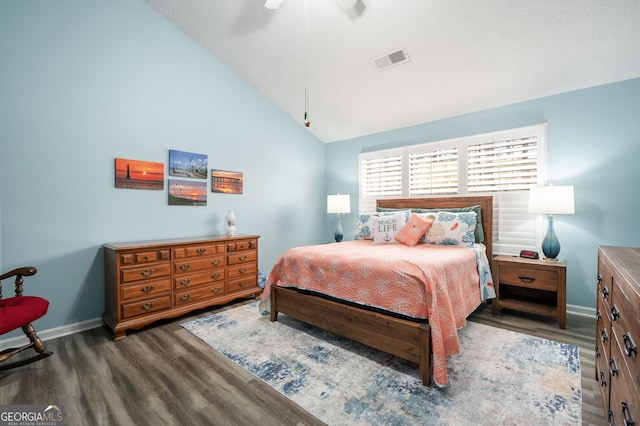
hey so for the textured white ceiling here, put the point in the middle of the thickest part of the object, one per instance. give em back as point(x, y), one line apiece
point(465, 55)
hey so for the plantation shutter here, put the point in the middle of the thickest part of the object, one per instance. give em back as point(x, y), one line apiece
point(380, 177)
point(433, 172)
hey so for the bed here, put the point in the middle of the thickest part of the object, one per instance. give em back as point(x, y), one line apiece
point(407, 335)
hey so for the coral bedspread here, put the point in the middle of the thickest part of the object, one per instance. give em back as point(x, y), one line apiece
point(437, 282)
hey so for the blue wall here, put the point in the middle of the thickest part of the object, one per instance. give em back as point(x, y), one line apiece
point(85, 81)
point(594, 144)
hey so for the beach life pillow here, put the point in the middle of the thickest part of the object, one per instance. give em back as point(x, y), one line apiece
point(454, 229)
point(387, 227)
point(366, 223)
point(415, 229)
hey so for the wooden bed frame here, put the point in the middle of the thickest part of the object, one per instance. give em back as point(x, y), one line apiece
point(409, 340)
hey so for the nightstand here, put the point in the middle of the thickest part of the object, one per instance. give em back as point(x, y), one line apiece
point(531, 285)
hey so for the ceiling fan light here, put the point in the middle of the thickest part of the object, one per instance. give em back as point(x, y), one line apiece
point(347, 4)
point(272, 4)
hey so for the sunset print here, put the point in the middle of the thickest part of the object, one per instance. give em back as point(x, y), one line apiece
point(226, 182)
point(137, 174)
point(187, 193)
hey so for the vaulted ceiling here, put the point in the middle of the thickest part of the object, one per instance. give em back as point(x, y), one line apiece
point(463, 55)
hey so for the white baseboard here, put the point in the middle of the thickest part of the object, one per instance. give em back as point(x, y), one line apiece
point(581, 311)
point(52, 333)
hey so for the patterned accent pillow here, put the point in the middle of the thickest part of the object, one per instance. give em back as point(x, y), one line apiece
point(366, 223)
point(454, 229)
point(415, 229)
point(387, 227)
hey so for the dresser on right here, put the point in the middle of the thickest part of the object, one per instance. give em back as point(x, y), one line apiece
point(618, 333)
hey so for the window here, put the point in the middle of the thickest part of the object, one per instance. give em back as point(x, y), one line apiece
point(503, 164)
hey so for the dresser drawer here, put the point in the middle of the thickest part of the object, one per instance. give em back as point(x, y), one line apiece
point(146, 306)
point(199, 293)
point(145, 289)
point(242, 256)
point(147, 256)
point(190, 265)
point(198, 251)
point(529, 277)
point(241, 245)
point(242, 270)
point(240, 284)
point(145, 272)
point(199, 278)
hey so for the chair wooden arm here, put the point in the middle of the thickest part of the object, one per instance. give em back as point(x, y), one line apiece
point(25, 271)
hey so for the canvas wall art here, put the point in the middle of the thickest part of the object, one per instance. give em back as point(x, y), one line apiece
point(226, 182)
point(188, 164)
point(187, 193)
point(136, 174)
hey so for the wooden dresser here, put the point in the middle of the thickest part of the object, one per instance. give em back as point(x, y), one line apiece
point(618, 333)
point(151, 280)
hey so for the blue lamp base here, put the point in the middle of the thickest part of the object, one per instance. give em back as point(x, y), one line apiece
point(550, 244)
point(337, 233)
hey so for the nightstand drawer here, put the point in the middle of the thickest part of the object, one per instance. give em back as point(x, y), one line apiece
point(530, 278)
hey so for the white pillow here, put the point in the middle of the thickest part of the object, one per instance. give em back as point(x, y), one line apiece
point(386, 227)
point(366, 223)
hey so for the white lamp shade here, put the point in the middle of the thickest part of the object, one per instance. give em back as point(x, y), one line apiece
point(551, 200)
point(273, 4)
point(338, 204)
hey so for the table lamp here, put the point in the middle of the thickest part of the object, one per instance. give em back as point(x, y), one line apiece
point(551, 200)
point(338, 204)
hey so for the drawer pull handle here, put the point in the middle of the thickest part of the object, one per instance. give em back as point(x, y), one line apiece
point(626, 414)
point(526, 279)
point(146, 289)
point(629, 344)
point(242, 270)
point(242, 283)
point(597, 352)
point(215, 276)
point(147, 257)
point(185, 297)
point(603, 379)
point(615, 314)
point(603, 335)
point(147, 306)
point(613, 367)
point(598, 315)
point(147, 272)
point(185, 266)
point(216, 290)
point(605, 292)
point(599, 278)
point(185, 281)
point(216, 262)
point(243, 257)
point(201, 251)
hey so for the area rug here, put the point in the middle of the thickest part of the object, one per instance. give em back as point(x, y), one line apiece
point(500, 377)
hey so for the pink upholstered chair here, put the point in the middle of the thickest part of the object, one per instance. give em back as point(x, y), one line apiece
point(21, 311)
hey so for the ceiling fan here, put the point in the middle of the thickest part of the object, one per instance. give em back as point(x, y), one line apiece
point(275, 4)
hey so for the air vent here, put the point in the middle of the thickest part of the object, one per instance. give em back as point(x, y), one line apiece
point(391, 59)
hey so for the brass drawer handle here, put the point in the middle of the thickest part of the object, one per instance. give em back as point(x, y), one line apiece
point(147, 306)
point(185, 266)
point(147, 272)
point(242, 283)
point(185, 281)
point(613, 367)
point(146, 289)
point(526, 279)
point(615, 314)
point(147, 257)
point(629, 344)
point(216, 290)
point(216, 262)
point(201, 251)
point(243, 257)
point(185, 297)
point(242, 270)
point(215, 276)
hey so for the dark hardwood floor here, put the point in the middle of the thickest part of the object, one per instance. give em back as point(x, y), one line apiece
point(164, 375)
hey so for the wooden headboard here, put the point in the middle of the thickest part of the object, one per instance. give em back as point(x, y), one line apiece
point(485, 203)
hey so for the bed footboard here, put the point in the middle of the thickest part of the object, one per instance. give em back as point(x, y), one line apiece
point(405, 339)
